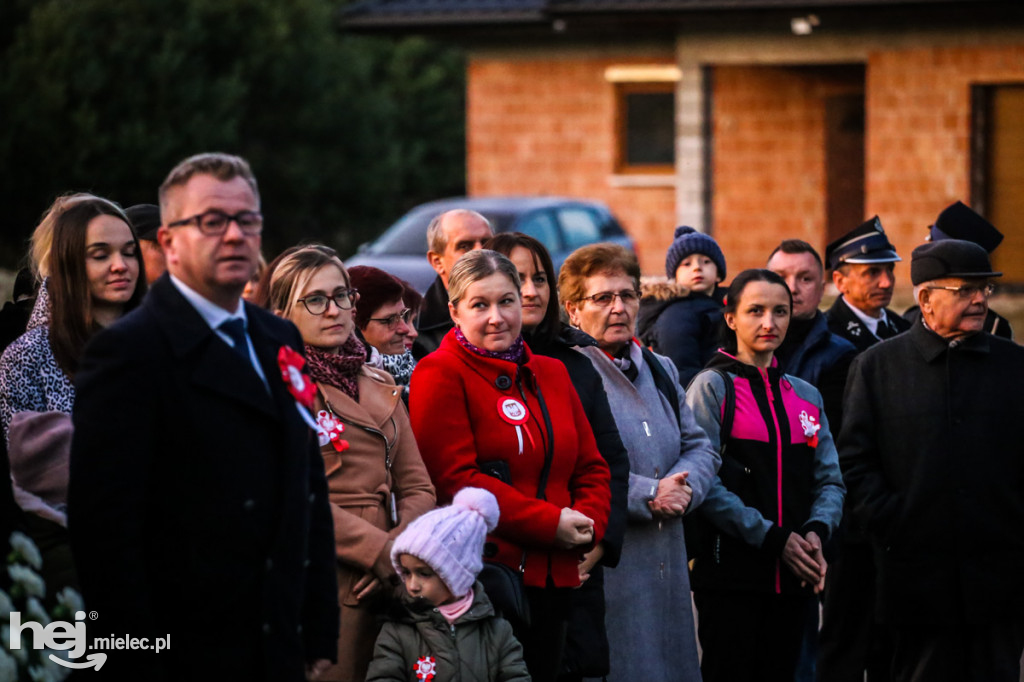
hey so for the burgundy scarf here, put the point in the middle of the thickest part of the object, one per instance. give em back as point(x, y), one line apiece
point(339, 369)
point(515, 352)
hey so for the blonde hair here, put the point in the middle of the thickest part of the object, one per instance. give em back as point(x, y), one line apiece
point(290, 272)
point(475, 266)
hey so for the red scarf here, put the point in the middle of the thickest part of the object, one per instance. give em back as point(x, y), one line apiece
point(340, 369)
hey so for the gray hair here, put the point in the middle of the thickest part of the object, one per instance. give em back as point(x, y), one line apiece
point(437, 240)
point(475, 266)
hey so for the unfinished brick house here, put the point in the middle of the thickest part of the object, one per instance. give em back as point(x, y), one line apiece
point(753, 120)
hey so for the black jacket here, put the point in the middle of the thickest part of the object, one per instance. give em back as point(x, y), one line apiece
point(434, 321)
point(681, 325)
point(198, 506)
point(842, 322)
point(934, 462)
point(586, 649)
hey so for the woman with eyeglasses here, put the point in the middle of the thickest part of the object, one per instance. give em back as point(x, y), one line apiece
point(89, 256)
point(376, 478)
point(489, 413)
point(384, 322)
point(672, 466)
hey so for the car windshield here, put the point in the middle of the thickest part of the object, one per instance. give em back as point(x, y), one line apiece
point(408, 236)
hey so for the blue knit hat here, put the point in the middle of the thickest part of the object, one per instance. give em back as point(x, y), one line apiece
point(687, 241)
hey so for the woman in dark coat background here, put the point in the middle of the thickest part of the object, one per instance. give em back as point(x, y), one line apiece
point(586, 652)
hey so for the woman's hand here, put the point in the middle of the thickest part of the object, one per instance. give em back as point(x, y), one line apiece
point(366, 586)
point(590, 560)
point(673, 497)
point(317, 668)
point(803, 557)
point(574, 528)
point(818, 555)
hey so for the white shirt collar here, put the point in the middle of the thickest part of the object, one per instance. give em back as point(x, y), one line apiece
point(870, 322)
point(212, 313)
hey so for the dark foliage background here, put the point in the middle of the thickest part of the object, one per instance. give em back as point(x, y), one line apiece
point(343, 132)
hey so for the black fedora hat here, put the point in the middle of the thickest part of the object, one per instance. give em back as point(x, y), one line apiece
point(949, 258)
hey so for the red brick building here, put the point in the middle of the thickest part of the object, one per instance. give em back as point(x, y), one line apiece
point(753, 120)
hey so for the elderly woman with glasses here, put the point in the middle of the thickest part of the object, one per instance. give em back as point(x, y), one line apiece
point(376, 478)
point(385, 322)
point(672, 467)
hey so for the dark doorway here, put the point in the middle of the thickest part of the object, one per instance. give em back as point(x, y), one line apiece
point(844, 163)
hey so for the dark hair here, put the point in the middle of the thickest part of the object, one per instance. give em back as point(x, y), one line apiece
point(732, 299)
point(376, 289)
point(505, 243)
point(413, 299)
point(795, 246)
point(71, 314)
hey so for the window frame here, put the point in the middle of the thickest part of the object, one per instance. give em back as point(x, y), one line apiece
point(622, 90)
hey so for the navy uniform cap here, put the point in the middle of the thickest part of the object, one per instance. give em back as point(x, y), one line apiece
point(866, 243)
point(959, 221)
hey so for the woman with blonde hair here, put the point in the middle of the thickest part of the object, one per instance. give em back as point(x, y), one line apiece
point(376, 478)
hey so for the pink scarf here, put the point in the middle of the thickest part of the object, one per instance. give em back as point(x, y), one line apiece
point(454, 610)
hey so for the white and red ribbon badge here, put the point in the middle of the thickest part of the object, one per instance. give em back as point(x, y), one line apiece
point(516, 414)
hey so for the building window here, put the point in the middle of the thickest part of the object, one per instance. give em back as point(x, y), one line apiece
point(997, 119)
point(645, 113)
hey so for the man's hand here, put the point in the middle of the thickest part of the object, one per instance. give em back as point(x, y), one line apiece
point(673, 496)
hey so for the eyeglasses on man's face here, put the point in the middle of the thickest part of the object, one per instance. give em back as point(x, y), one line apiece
point(317, 304)
point(606, 298)
point(968, 291)
point(214, 223)
point(391, 321)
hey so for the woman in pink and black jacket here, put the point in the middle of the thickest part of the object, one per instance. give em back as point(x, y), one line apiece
point(777, 497)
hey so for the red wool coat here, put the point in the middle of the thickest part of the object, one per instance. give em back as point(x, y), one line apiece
point(454, 403)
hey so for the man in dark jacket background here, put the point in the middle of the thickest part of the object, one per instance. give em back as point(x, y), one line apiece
point(449, 235)
point(933, 460)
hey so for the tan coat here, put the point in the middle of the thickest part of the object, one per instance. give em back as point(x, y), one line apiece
point(360, 485)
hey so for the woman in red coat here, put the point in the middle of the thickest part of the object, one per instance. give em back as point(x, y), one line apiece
point(483, 409)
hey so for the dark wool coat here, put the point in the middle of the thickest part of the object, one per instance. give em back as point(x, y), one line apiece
point(934, 460)
point(454, 404)
point(478, 647)
point(198, 505)
point(842, 322)
point(586, 648)
point(679, 324)
point(434, 320)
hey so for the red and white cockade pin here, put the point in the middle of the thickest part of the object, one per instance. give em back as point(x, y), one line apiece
point(810, 427)
point(299, 384)
point(516, 414)
point(329, 430)
point(425, 668)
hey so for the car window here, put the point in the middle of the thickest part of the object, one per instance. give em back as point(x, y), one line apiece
point(406, 237)
point(580, 226)
point(541, 226)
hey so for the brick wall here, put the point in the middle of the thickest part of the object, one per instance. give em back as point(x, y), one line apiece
point(769, 158)
point(545, 126)
point(918, 132)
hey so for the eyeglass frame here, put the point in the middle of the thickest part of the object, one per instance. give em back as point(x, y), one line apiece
point(229, 218)
point(391, 321)
point(986, 290)
point(613, 294)
point(352, 294)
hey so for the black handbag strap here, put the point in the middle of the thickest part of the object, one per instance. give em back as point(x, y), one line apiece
point(549, 438)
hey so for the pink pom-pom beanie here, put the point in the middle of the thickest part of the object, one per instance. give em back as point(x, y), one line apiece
point(451, 539)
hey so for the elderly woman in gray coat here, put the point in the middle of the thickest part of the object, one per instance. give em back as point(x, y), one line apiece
point(672, 466)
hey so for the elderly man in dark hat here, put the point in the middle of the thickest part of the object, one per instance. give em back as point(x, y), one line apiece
point(934, 465)
point(862, 270)
point(960, 221)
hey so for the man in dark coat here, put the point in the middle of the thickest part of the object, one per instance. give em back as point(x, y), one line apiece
point(934, 461)
point(449, 235)
point(198, 507)
point(960, 221)
point(850, 642)
point(862, 270)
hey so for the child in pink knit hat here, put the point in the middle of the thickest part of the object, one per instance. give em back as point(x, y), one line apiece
point(445, 627)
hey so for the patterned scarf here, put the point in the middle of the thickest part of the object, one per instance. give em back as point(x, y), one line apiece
point(515, 352)
point(400, 366)
point(338, 369)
